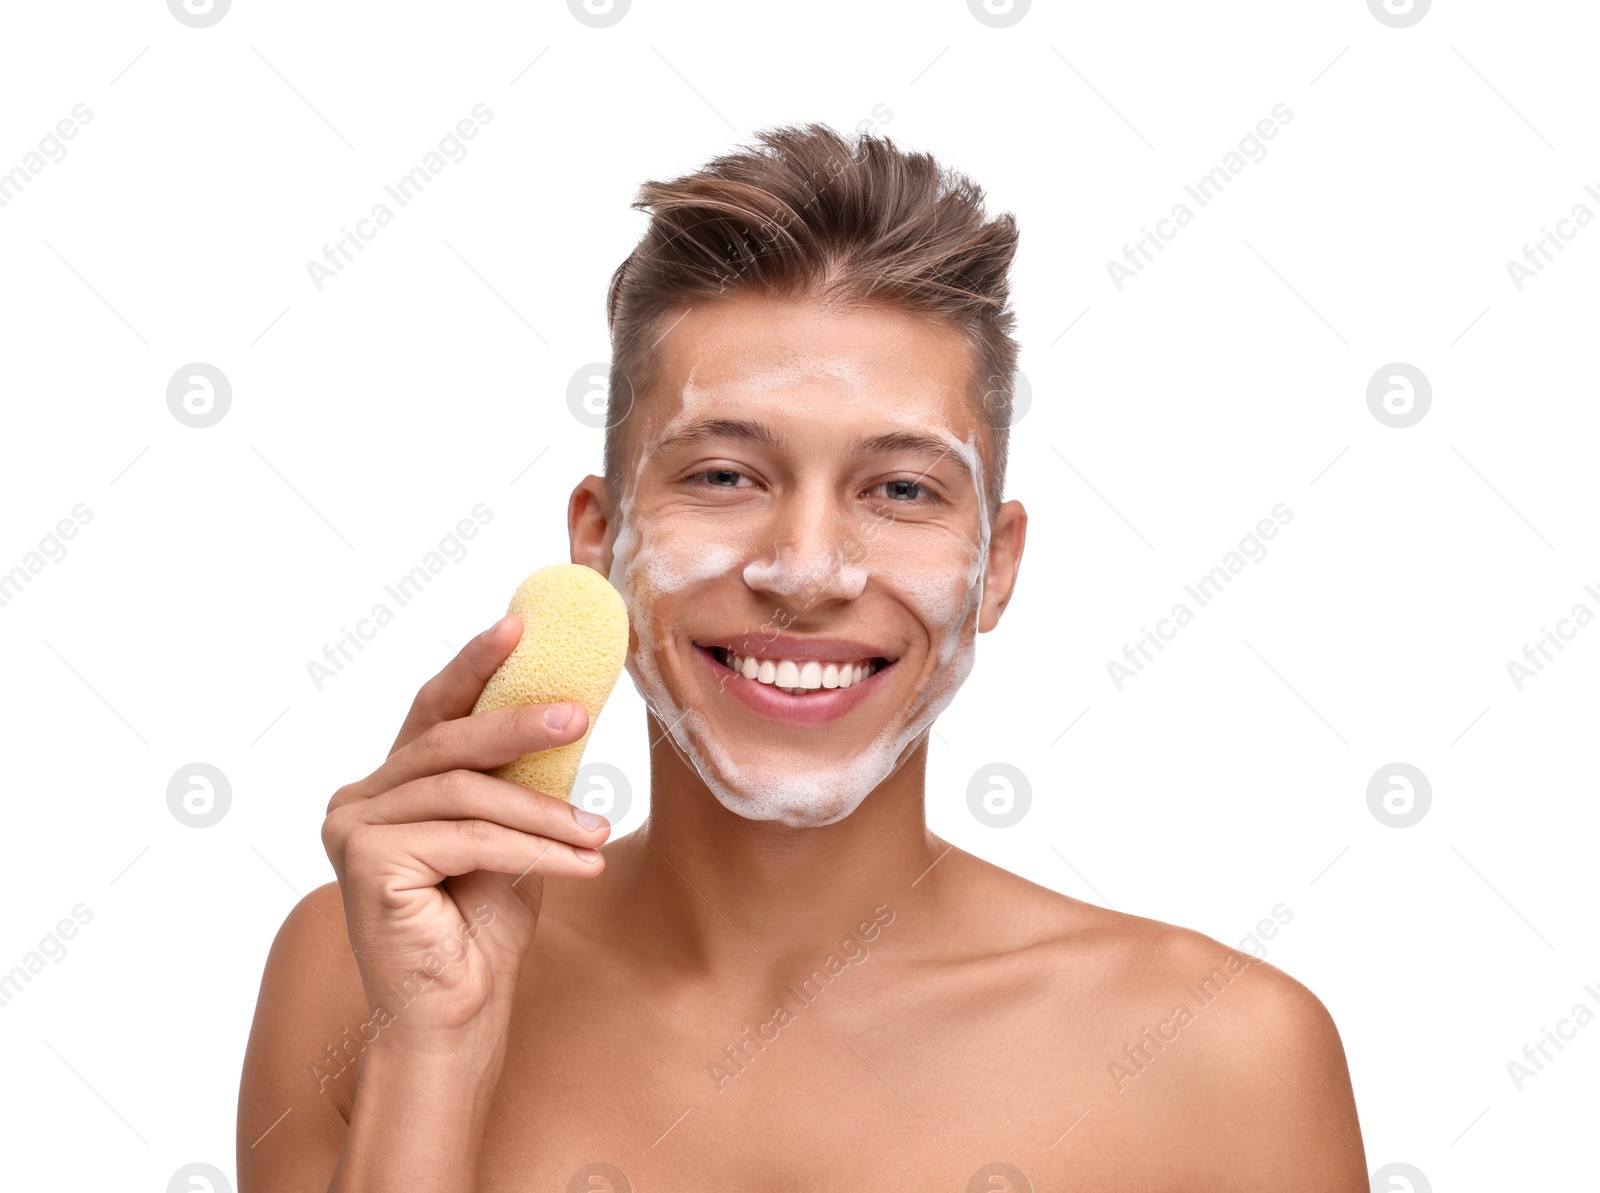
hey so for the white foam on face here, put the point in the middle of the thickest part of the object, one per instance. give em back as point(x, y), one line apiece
point(789, 577)
point(812, 776)
point(801, 370)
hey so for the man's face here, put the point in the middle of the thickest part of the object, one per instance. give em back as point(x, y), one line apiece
point(806, 508)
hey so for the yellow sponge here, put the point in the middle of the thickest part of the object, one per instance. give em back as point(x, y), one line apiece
point(574, 643)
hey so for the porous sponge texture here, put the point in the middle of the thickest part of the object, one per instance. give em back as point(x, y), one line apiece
point(574, 643)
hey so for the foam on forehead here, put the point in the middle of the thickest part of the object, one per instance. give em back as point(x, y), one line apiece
point(799, 369)
point(919, 396)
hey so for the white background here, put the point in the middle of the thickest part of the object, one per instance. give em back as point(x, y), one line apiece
point(1167, 418)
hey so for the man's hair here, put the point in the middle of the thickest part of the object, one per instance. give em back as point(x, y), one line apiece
point(806, 215)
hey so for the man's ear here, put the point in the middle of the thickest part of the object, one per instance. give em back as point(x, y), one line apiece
point(1006, 537)
point(589, 515)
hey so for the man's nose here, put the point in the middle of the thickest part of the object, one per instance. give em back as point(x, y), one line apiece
point(816, 555)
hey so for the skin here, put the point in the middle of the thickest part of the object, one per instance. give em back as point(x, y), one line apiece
point(965, 1015)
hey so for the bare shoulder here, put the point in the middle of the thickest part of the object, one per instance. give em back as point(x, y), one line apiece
point(1210, 1025)
point(1222, 1069)
point(301, 1052)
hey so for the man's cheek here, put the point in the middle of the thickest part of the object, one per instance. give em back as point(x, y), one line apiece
point(933, 586)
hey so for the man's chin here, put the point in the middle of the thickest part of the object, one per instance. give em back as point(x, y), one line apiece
point(788, 813)
point(805, 783)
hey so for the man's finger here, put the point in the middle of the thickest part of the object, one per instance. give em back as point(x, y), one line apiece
point(453, 692)
point(478, 743)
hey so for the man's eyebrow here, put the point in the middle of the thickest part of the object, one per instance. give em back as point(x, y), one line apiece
point(912, 443)
point(759, 434)
point(740, 430)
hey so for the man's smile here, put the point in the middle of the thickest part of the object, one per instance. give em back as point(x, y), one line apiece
point(797, 663)
point(810, 683)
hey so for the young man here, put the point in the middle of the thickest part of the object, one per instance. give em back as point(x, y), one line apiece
point(782, 980)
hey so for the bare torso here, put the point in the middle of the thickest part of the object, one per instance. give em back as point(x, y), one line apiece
point(979, 1040)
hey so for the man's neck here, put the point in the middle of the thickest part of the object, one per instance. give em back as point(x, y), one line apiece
point(723, 892)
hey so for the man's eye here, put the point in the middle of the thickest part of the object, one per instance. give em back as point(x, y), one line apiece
point(907, 492)
point(720, 473)
point(899, 492)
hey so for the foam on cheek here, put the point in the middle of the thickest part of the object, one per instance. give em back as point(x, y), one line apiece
point(674, 566)
point(943, 598)
point(945, 606)
point(968, 451)
point(631, 557)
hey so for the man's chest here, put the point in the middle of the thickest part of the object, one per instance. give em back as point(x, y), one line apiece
point(820, 1090)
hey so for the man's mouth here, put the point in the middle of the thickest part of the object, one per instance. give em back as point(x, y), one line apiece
point(806, 670)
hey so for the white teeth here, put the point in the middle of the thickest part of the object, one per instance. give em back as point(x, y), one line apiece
point(790, 675)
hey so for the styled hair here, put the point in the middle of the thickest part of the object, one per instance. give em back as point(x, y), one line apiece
point(807, 215)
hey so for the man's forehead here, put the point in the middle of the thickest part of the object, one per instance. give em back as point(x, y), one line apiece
point(745, 350)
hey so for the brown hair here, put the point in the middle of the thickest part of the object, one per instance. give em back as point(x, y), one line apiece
point(806, 215)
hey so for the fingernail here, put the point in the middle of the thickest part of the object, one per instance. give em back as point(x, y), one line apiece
point(489, 633)
point(587, 819)
point(558, 716)
point(588, 855)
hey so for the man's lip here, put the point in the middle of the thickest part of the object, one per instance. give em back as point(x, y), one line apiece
point(815, 709)
point(787, 646)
